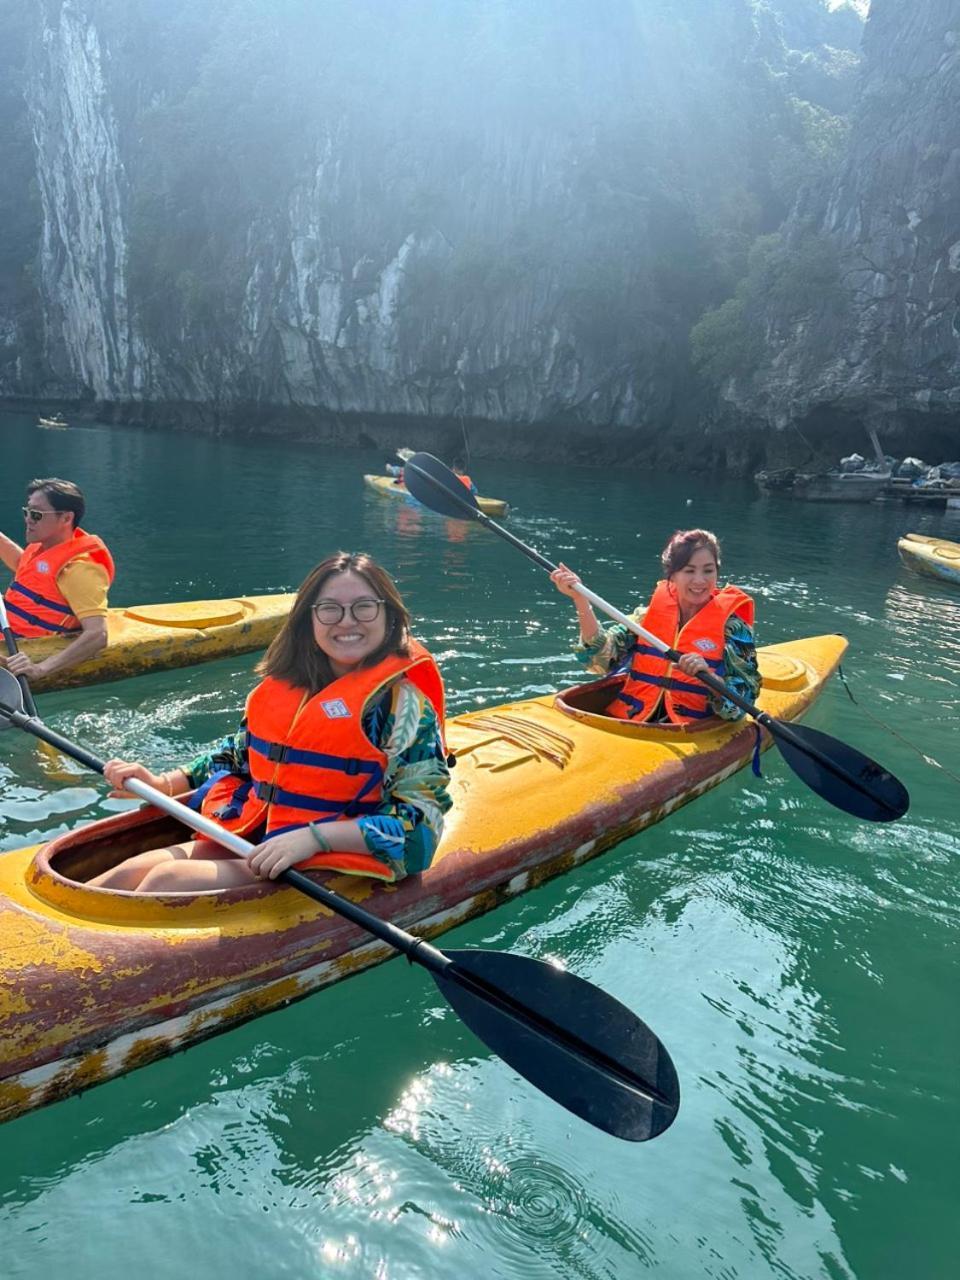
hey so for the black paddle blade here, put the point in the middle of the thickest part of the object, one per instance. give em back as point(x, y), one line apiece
point(571, 1040)
point(11, 697)
point(438, 488)
point(840, 774)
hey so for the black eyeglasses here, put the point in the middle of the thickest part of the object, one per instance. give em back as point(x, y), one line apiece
point(363, 610)
point(35, 515)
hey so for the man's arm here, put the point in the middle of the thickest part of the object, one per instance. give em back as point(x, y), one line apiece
point(90, 640)
point(10, 552)
point(84, 586)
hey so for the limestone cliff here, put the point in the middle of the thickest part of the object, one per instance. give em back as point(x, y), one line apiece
point(510, 212)
point(879, 340)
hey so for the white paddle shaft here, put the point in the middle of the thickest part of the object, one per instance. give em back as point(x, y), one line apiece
point(617, 616)
point(190, 818)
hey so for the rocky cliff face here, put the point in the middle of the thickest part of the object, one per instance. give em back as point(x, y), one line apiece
point(82, 263)
point(494, 213)
point(881, 344)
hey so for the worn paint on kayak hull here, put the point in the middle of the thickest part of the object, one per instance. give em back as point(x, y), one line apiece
point(157, 637)
point(94, 983)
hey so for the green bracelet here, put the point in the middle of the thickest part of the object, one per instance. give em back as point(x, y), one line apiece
point(323, 844)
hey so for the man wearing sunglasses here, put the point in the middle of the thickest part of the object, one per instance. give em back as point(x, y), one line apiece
point(60, 579)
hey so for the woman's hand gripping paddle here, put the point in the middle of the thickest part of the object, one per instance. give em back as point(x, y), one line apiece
point(571, 1040)
point(843, 776)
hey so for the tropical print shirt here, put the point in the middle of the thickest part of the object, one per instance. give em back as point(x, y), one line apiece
point(403, 724)
point(609, 649)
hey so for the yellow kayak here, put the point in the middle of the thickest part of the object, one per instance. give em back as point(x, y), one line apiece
point(388, 487)
point(94, 982)
point(155, 637)
point(934, 557)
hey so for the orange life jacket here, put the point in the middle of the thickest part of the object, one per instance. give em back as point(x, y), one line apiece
point(465, 480)
point(650, 674)
point(292, 782)
point(36, 605)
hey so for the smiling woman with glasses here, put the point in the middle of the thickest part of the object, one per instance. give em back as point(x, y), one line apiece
point(339, 763)
point(61, 579)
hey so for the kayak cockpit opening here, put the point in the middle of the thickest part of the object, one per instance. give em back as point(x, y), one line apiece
point(589, 702)
point(73, 857)
point(61, 870)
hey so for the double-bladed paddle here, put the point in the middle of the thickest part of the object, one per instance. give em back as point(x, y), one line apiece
point(571, 1040)
point(839, 773)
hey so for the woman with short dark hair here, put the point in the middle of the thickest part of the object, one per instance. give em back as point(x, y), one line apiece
point(339, 763)
point(711, 625)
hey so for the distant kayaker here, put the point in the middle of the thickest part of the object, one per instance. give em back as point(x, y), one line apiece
point(710, 625)
point(339, 763)
point(460, 473)
point(61, 579)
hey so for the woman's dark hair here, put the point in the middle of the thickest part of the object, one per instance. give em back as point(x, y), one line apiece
point(681, 546)
point(63, 495)
point(294, 655)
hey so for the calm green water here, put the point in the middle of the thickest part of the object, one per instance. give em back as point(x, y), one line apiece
point(800, 966)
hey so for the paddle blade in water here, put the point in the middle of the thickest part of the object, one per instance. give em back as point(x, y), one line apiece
point(571, 1040)
point(842, 775)
point(438, 488)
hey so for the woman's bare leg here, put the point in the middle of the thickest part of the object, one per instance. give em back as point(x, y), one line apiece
point(196, 874)
point(128, 874)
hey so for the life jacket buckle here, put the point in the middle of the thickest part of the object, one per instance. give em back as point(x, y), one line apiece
point(352, 767)
point(276, 752)
point(267, 791)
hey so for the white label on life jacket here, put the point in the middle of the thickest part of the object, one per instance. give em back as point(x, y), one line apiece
point(704, 645)
point(336, 709)
point(43, 566)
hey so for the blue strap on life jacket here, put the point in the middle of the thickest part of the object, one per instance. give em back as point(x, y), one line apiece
point(694, 713)
point(197, 798)
point(234, 806)
point(280, 753)
point(630, 701)
point(648, 651)
point(37, 598)
point(680, 686)
point(272, 794)
point(40, 622)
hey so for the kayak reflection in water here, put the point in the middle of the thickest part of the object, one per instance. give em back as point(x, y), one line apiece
point(339, 763)
point(711, 625)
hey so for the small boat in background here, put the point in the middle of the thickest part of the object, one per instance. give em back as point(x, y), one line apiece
point(58, 420)
point(933, 557)
point(852, 481)
point(826, 486)
point(393, 487)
